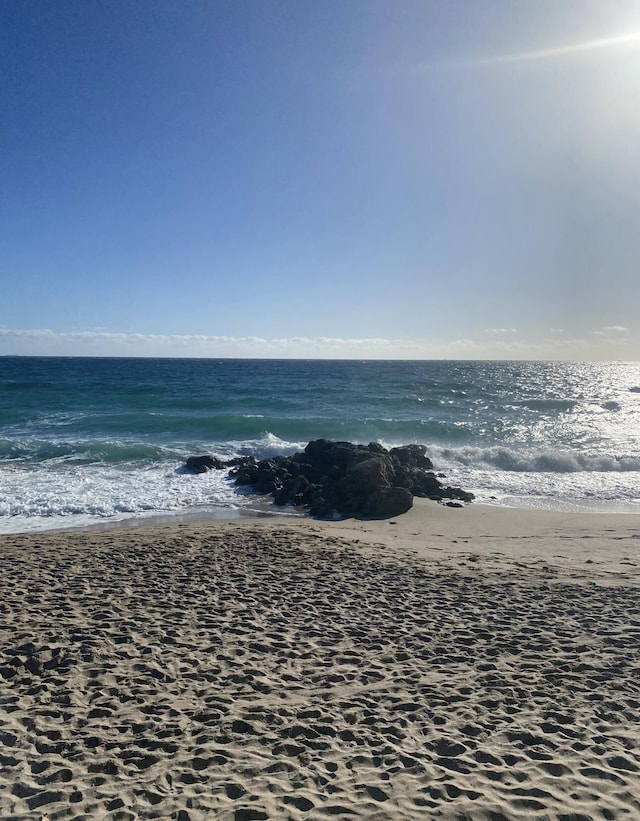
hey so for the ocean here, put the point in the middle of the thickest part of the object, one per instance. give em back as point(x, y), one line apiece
point(87, 440)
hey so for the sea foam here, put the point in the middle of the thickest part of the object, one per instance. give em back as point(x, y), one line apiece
point(534, 461)
point(105, 438)
point(100, 492)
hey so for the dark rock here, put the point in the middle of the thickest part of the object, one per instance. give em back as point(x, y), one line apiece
point(420, 483)
point(371, 474)
point(201, 464)
point(387, 502)
point(320, 507)
point(412, 456)
point(344, 479)
point(301, 490)
point(245, 471)
point(457, 493)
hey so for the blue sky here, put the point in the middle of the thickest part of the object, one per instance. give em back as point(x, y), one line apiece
point(369, 179)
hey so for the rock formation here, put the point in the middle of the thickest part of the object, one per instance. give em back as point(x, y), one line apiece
point(340, 478)
point(201, 464)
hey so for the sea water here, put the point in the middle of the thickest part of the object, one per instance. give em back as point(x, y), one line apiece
point(84, 440)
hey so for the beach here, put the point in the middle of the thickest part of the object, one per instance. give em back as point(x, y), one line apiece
point(478, 664)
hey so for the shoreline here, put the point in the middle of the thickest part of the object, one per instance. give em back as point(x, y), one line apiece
point(264, 508)
point(472, 663)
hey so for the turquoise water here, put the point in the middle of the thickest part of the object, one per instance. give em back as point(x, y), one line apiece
point(84, 439)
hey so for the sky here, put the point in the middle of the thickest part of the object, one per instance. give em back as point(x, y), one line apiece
point(369, 179)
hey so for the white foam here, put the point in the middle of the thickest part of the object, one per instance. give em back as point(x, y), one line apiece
point(57, 492)
point(553, 480)
point(533, 461)
point(610, 490)
point(61, 491)
point(56, 497)
point(265, 447)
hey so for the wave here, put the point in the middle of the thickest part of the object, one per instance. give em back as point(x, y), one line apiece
point(520, 461)
point(214, 427)
point(79, 452)
point(448, 444)
point(107, 437)
point(108, 492)
point(32, 453)
point(161, 429)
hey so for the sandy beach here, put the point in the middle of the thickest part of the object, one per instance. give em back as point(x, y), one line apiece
point(477, 664)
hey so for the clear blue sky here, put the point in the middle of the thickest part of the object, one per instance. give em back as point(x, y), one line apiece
point(339, 178)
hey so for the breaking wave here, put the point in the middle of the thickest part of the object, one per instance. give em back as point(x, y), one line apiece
point(547, 461)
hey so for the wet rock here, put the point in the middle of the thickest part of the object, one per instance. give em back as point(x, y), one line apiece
point(343, 479)
point(202, 464)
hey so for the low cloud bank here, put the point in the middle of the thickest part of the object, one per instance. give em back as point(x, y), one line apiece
point(503, 344)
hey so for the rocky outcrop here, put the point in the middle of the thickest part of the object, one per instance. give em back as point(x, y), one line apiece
point(340, 478)
point(201, 464)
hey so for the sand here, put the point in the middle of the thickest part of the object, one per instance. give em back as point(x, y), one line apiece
point(476, 664)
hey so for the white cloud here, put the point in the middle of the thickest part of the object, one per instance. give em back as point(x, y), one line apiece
point(500, 330)
point(501, 345)
point(43, 341)
point(564, 344)
point(610, 330)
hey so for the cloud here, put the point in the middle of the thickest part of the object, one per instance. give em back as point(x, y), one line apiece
point(43, 341)
point(565, 344)
point(608, 330)
point(500, 344)
point(500, 330)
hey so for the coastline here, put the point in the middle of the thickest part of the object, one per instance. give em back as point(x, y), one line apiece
point(263, 507)
point(474, 663)
point(521, 434)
